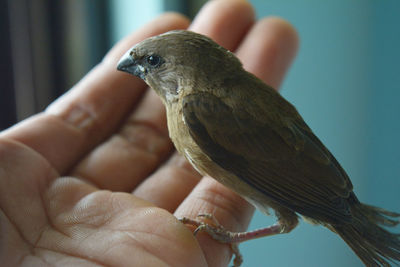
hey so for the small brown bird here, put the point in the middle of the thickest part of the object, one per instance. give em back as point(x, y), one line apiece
point(240, 131)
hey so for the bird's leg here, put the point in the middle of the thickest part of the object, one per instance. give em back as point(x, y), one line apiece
point(219, 233)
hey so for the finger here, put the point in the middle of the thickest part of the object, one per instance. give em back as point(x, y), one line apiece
point(168, 186)
point(225, 21)
point(93, 109)
point(131, 154)
point(268, 50)
point(231, 211)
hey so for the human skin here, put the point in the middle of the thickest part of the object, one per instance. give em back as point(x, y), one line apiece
point(94, 180)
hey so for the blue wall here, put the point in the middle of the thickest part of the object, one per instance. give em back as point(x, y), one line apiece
point(346, 84)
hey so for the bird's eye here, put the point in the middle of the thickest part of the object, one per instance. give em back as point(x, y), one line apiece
point(153, 60)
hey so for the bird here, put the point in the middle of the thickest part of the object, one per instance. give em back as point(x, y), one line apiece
point(232, 126)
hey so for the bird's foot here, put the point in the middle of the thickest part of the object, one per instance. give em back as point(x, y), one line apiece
point(217, 232)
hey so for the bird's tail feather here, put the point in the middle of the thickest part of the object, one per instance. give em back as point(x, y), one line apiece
point(373, 244)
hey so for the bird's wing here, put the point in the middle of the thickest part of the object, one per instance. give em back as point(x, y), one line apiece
point(287, 163)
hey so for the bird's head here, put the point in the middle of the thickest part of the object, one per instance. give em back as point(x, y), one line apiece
point(178, 60)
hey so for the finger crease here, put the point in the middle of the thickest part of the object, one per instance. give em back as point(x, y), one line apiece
point(91, 259)
point(81, 116)
point(147, 137)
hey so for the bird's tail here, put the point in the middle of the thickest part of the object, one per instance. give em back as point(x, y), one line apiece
point(369, 240)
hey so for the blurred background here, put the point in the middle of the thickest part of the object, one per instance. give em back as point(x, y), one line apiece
point(345, 82)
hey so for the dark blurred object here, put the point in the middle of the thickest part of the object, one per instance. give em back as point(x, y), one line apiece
point(7, 97)
point(46, 47)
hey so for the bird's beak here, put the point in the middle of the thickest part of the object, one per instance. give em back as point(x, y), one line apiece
point(128, 64)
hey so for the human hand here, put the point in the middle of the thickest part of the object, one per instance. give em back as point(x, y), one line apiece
point(94, 179)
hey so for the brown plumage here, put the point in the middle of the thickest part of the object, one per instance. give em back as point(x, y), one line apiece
point(240, 131)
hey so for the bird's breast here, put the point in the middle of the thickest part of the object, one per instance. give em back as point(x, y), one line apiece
point(184, 143)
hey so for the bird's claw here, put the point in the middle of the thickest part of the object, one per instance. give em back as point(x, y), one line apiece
point(217, 232)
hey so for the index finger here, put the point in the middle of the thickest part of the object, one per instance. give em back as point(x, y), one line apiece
point(93, 109)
